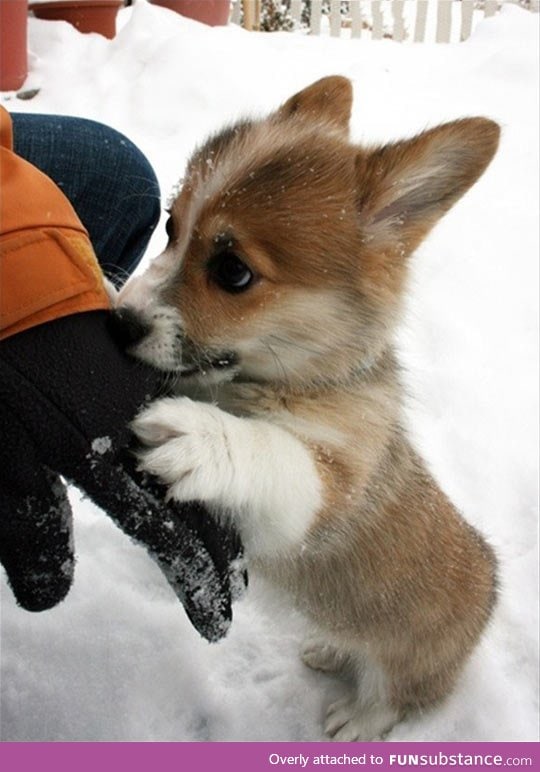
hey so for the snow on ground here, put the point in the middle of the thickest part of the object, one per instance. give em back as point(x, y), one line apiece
point(118, 659)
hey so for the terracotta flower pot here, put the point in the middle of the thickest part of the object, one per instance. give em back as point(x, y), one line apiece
point(86, 15)
point(13, 56)
point(213, 12)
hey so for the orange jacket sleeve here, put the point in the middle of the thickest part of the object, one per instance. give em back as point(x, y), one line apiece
point(48, 268)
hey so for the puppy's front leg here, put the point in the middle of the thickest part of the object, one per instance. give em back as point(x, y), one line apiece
point(256, 473)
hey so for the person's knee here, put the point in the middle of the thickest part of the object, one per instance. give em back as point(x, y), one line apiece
point(109, 181)
point(133, 205)
point(125, 169)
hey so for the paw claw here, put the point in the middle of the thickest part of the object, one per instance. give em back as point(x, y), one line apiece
point(347, 720)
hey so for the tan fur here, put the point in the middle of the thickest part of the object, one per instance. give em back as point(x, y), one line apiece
point(395, 564)
point(389, 566)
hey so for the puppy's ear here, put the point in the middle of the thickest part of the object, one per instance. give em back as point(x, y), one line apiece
point(327, 101)
point(406, 187)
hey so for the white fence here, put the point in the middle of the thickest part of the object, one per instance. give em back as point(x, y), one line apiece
point(440, 21)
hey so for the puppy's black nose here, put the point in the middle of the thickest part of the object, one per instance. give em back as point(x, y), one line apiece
point(126, 327)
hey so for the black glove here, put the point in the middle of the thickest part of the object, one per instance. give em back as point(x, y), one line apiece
point(67, 395)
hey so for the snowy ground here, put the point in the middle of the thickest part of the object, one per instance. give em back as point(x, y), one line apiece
point(118, 659)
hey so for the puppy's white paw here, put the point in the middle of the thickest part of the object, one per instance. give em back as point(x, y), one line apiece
point(188, 448)
point(347, 720)
point(248, 469)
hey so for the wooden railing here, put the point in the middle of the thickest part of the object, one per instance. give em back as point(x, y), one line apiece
point(418, 21)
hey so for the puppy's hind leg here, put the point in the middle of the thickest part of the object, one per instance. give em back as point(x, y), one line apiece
point(366, 714)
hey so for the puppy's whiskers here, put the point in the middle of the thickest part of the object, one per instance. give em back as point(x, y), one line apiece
point(279, 363)
point(168, 384)
point(282, 341)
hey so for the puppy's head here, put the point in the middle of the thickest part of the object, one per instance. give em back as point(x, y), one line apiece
point(288, 244)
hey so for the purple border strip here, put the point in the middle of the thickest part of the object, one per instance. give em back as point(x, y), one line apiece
point(252, 757)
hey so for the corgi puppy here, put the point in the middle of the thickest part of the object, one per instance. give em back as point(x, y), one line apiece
point(273, 307)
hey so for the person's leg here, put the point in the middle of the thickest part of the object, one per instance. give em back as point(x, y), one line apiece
point(109, 182)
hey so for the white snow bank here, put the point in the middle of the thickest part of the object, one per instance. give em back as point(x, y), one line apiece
point(118, 659)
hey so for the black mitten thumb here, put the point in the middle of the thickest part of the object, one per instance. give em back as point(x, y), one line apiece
point(36, 547)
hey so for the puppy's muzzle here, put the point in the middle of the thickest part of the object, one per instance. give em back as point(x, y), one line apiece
point(127, 327)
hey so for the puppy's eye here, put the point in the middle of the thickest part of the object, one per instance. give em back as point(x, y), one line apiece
point(169, 227)
point(231, 273)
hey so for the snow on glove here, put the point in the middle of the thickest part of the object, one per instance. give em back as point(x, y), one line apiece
point(67, 395)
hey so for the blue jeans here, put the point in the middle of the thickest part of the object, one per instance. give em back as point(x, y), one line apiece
point(109, 182)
